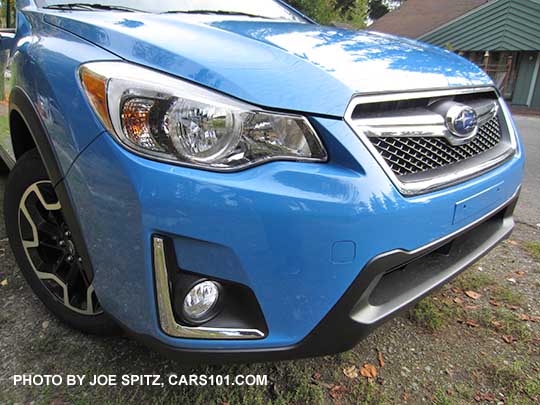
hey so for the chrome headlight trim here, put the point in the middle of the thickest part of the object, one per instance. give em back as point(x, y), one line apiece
point(145, 82)
point(441, 181)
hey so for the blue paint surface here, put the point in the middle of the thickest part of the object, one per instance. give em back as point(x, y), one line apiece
point(291, 66)
point(271, 227)
point(297, 234)
point(486, 199)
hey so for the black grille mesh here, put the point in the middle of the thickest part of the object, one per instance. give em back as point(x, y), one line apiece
point(416, 155)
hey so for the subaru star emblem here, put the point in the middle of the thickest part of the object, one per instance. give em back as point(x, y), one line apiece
point(462, 121)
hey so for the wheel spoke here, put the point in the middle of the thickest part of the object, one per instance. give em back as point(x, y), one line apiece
point(73, 276)
point(51, 246)
point(51, 252)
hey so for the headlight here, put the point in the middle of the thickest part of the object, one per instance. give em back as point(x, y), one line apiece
point(172, 120)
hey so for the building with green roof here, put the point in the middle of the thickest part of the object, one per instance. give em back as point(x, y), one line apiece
point(501, 36)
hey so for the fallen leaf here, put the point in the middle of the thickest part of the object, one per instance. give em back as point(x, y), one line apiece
point(4, 283)
point(405, 396)
point(351, 372)
point(472, 323)
point(513, 242)
point(509, 339)
point(528, 318)
point(470, 307)
point(456, 290)
point(368, 371)
point(512, 307)
point(380, 358)
point(511, 280)
point(337, 390)
point(325, 385)
point(488, 397)
point(497, 324)
point(45, 325)
point(472, 294)
point(494, 303)
point(317, 376)
point(458, 300)
point(520, 273)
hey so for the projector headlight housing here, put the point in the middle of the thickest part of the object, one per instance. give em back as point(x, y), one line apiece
point(175, 121)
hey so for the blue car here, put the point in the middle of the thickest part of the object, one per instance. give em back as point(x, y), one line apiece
point(230, 181)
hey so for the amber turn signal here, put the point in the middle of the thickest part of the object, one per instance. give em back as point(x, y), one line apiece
point(95, 87)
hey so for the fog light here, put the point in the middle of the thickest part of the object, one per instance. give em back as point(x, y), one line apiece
point(200, 303)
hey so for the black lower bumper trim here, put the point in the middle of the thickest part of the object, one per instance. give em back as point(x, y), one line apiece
point(390, 283)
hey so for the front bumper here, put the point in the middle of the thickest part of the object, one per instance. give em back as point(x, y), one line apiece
point(301, 236)
point(389, 283)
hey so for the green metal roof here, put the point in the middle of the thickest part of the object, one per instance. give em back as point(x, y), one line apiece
point(500, 25)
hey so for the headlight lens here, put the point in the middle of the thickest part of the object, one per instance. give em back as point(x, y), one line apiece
point(172, 120)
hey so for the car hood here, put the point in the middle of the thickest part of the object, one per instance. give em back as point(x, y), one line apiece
point(281, 65)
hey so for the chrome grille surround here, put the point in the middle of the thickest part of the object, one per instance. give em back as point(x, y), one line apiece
point(422, 163)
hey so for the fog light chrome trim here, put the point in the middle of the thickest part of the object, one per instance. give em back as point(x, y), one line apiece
point(166, 317)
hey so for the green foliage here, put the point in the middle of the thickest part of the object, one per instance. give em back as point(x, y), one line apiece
point(473, 280)
point(329, 12)
point(3, 14)
point(505, 295)
point(516, 379)
point(533, 248)
point(377, 8)
point(431, 313)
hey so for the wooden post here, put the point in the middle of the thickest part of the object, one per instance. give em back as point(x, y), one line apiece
point(8, 14)
point(507, 73)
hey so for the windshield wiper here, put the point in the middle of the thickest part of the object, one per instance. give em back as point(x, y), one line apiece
point(90, 7)
point(216, 12)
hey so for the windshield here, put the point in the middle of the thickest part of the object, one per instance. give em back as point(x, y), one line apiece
point(260, 8)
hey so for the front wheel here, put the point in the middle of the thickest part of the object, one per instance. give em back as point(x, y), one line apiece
point(4, 169)
point(45, 251)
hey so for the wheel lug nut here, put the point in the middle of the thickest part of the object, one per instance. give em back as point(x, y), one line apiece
point(68, 234)
point(70, 259)
point(62, 243)
point(79, 259)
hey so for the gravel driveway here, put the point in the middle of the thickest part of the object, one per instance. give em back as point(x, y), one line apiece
point(476, 340)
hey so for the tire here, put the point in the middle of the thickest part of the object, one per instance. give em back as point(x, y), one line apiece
point(3, 167)
point(42, 246)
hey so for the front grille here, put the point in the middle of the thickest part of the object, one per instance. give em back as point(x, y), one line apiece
point(410, 155)
point(409, 136)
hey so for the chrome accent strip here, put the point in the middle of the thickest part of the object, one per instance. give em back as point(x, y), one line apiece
point(409, 95)
point(486, 112)
point(425, 186)
point(418, 122)
point(165, 311)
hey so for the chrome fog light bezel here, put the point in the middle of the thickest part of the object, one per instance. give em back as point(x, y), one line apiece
point(166, 318)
